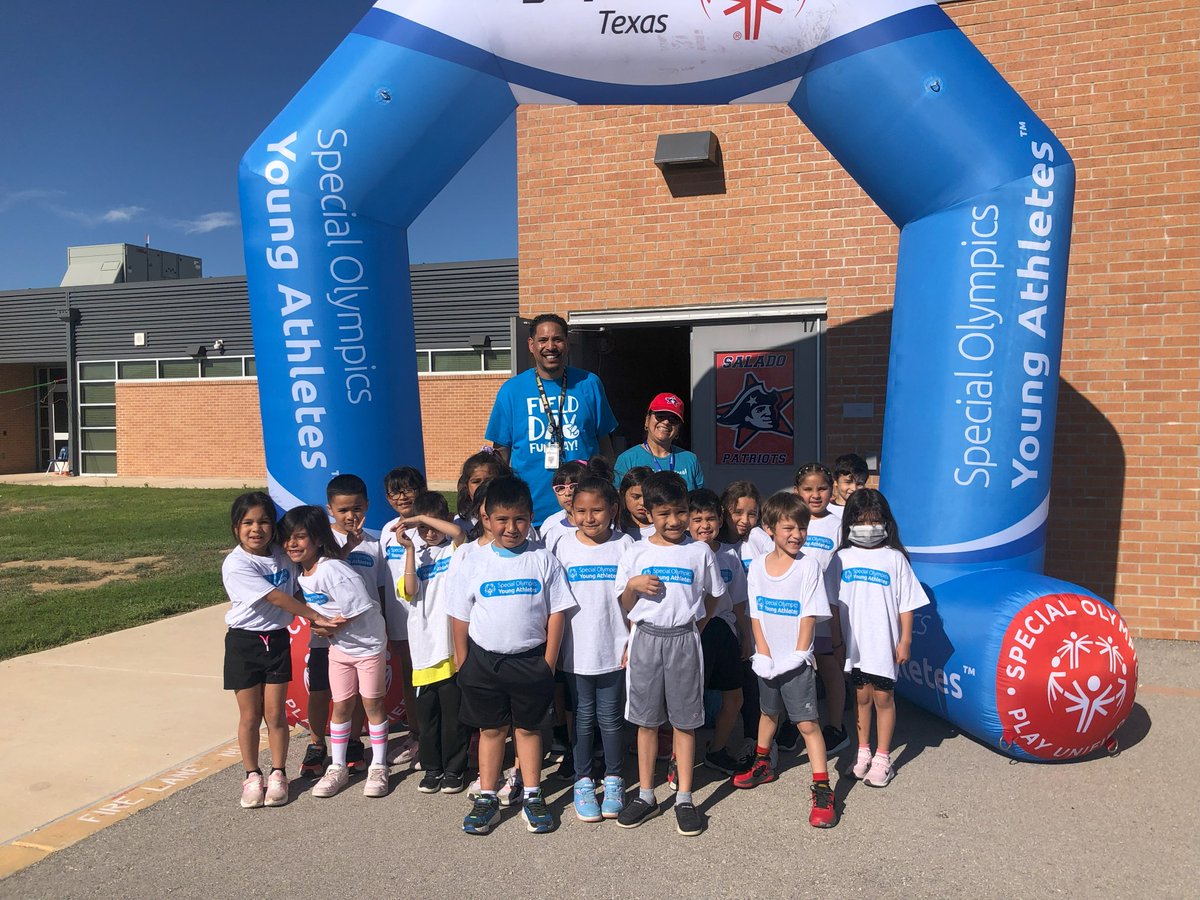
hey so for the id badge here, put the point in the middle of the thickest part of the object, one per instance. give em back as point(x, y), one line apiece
point(552, 456)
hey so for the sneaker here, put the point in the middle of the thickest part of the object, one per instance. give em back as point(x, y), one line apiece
point(666, 740)
point(587, 807)
point(537, 814)
point(862, 762)
point(453, 783)
point(836, 739)
point(788, 737)
point(881, 773)
point(475, 791)
point(614, 796)
point(277, 789)
point(722, 761)
point(483, 815)
point(404, 753)
point(377, 782)
point(761, 772)
point(331, 782)
point(314, 760)
point(253, 791)
point(636, 812)
point(566, 770)
point(430, 783)
point(355, 760)
point(823, 814)
point(688, 820)
point(510, 792)
point(673, 775)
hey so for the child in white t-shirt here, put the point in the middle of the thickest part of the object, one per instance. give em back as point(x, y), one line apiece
point(814, 486)
point(508, 610)
point(554, 526)
point(787, 600)
point(260, 580)
point(424, 586)
point(850, 473)
point(741, 501)
point(594, 641)
point(668, 585)
point(476, 469)
point(726, 640)
point(878, 593)
point(633, 518)
point(357, 651)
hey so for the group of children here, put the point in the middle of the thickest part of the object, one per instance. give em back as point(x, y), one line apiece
point(635, 604)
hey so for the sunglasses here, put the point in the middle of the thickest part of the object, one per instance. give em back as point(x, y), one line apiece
point(566, 488)
point(669, 418)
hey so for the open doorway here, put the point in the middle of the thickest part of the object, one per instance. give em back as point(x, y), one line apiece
point(635, 362)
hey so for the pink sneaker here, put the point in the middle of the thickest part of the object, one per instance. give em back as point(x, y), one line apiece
point(862, 763)
point(253, 791)
point(405, 753)
point(881, 771)
point(331, 782)
point(377, 782)
point(277, 789)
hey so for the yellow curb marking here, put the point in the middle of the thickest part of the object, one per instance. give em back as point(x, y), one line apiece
point(33, 846)
point(1168, 690)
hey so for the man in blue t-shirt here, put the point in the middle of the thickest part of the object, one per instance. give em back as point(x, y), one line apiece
point(549, 415)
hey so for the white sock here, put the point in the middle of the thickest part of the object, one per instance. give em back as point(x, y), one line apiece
point(339, 737)
point(379, 742)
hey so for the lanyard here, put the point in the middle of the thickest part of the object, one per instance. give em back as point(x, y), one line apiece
point(556, 429)
point(654, 459)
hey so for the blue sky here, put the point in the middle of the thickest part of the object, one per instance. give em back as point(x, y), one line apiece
point(122, 119)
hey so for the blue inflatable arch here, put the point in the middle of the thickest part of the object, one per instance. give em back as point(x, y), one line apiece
point(980, 188)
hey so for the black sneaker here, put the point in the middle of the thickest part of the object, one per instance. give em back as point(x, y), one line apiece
point(354, 757)
point(688, 820)
point(314, 760)
point(453, 783)
point(722, 761)
point(788, 737)
point(835, 738)
point(431, 783)
point(566, 769)
point(636, 812)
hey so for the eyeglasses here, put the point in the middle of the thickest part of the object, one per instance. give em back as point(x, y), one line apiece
point(669, 418)
point(566, 488)
point(403, 492)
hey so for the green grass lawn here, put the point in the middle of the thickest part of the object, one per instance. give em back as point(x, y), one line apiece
point(189, 529)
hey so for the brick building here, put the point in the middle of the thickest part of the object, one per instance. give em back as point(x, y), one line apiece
point(610, 242)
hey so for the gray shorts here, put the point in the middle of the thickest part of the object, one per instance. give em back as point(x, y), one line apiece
point(664, 678)
point(794, 692)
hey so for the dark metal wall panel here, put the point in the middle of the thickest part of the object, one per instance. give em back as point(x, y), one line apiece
point(452, 301)
point(172, 314)
point(30, 329)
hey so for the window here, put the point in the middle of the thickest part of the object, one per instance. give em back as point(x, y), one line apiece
point(178, 368)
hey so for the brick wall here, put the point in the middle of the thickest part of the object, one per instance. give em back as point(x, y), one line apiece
point(454, 409)
point(18, 420)
point(1119, 85)
point(187, 442)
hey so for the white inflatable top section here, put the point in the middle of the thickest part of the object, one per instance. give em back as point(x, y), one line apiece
point(646, 42)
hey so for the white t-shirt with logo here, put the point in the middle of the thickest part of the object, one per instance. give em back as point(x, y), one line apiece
point(780, 602)
point(336, 589)
point(875, 587)
point(836, 511)
point(595, 636)
point(508, 597)
point(248, 579)
point(392, 552)
point(366, 559)
point(689, 573)
point(824, 535)
point(729, 563)
point(428, 624)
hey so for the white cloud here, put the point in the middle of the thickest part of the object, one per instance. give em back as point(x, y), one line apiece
point(209, 222)
point(121, 214)
point(31, 195)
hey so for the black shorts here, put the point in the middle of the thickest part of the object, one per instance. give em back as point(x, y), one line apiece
point(318, 669)
point(859, 678)
point(722, 657)
point(257, 657)
point(502, 689)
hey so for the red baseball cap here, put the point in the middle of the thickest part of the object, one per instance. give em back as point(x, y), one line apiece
point(667, 403)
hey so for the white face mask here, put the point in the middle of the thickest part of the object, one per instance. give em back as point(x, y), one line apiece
point(867, 535)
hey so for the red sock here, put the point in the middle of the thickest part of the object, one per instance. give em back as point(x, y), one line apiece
point(820, 776)
point(762, 752)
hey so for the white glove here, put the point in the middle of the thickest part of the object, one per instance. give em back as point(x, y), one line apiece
point(795, 660)
point(762, 665)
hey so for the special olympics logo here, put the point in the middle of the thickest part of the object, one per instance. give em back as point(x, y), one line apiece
point(1066, 676)
point(751, 12)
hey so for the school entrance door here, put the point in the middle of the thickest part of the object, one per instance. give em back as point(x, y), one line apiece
point(752, 377)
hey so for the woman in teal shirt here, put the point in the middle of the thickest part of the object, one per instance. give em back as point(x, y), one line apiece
point(664, 418)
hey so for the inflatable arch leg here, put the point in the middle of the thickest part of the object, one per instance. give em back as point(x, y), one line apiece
point(980, 188)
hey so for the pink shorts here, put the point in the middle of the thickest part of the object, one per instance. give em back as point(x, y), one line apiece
point(350, 675)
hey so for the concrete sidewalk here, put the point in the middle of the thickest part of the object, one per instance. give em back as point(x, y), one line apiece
point(87, 720)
